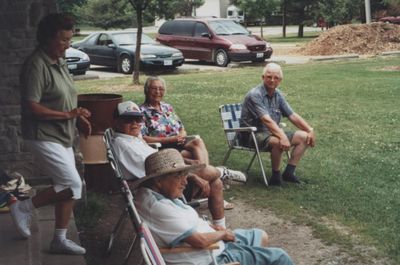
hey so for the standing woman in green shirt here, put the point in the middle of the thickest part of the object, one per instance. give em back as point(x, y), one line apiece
point(49, 117)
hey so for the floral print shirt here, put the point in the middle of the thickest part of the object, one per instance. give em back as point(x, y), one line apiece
point(160, 124)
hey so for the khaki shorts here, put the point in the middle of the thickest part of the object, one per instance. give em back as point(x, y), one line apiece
point(262, 139)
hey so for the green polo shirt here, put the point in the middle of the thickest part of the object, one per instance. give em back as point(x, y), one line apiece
point(50, 85)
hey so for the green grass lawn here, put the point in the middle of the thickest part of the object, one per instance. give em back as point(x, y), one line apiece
point(353, 173)
point(292, 37)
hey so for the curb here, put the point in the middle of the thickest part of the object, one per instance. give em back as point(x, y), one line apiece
point(85, 77)
point(338, 57)
point(390, 53)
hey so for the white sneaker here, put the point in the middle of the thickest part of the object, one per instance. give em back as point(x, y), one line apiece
point(233, 175)
point(66, 246)
point(22, 220)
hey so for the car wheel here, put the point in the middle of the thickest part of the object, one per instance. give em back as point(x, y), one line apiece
point(125, 65)
point(221, 58)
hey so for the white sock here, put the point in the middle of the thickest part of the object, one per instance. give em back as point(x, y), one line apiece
point(60, 234)
point(220, 222)
point(26, 205)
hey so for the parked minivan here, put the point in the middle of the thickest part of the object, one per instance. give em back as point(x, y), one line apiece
point(213, 39)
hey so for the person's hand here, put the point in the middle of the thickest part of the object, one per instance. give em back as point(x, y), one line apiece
point(84, 126)
point(229, 236)
point(311, 138)
point(180, 140)
point(80, 112)
point(284, 144)
point(204, 186)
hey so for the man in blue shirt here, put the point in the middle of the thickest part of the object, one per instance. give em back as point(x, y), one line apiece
point(263, 107)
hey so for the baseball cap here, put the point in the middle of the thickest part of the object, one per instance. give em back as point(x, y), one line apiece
point(128, 109)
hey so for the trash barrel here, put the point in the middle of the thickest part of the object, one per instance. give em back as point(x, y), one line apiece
point(98, 173)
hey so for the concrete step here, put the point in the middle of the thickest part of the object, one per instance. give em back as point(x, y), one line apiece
point(16, 250)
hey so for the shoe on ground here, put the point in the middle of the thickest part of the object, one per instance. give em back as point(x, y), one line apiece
point(22, 220)
point(66, 246)
point(233, 175)
point(275, 181)
point(292, 178)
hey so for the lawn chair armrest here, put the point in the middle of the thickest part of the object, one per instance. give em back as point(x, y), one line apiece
point(242, 129)
point(189, 138)
point(186, 249)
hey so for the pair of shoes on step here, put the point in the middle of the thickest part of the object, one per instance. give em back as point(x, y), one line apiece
point(232, 175)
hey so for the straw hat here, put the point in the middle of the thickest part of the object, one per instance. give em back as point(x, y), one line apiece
point(165, 162)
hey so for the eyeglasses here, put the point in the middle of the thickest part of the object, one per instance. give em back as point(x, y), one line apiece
point(158, 89)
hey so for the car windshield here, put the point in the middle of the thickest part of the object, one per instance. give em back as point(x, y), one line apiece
point(227, 27)
point(130, 39)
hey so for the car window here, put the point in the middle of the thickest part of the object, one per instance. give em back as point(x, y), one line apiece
point(122, 39)
point(199, 29)
point(91, 39)
point(104, 40)
point(167, 28)
point(227, 27)
point(177, 27)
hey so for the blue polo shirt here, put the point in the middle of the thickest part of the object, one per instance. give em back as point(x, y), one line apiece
point(257, 103)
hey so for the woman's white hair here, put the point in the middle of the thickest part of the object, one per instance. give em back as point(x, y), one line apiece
point(150, 80)
point(273, 67)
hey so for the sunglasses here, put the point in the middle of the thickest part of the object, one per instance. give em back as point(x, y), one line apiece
point(132, 119)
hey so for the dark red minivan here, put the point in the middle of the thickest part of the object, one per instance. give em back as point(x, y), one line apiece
point(213, 39)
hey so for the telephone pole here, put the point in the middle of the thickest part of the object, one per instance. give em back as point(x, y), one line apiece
point(367, 11)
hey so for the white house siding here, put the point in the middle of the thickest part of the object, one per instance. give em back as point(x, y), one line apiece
point(216, 8)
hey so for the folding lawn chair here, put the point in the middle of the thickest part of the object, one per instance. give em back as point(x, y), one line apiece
point(150, 251)
point(230, 116)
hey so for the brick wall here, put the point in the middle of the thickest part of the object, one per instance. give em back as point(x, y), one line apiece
point(18, 20)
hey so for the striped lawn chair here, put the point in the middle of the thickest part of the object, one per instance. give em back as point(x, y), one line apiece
point(230, 115)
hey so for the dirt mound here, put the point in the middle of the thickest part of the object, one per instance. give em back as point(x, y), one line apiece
point(371, 38)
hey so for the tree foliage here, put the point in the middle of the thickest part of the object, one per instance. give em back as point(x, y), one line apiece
point(107, 14)
point(342, 11)
point(68, 6)
point(259, 9)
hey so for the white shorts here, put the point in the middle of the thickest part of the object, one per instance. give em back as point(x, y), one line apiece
point(58, 162)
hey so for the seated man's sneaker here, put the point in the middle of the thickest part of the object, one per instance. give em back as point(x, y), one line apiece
point(291, 178)
point(66, 246)
point(22, 219)
point(232, 175)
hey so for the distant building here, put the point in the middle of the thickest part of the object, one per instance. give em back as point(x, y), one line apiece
point(216, 8)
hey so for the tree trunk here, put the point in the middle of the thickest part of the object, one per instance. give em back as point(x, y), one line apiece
point(284, 19)
point(300, 33)
point(261, 29)
point(136, 67)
